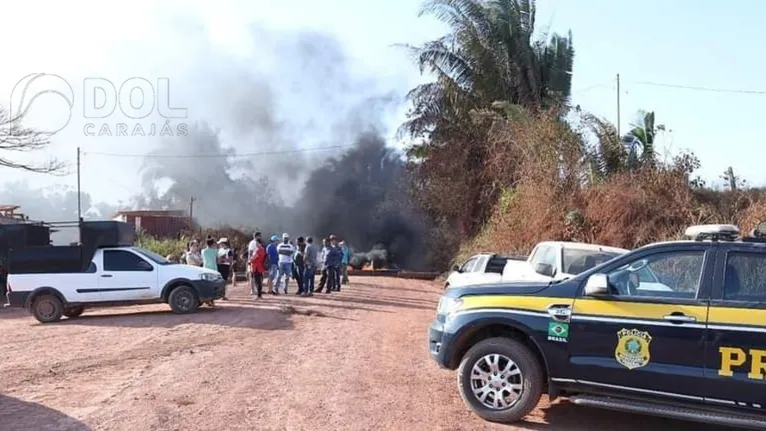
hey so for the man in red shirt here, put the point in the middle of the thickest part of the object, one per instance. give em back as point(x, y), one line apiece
point(257, 269)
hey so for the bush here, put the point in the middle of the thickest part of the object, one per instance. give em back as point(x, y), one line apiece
point(175, 247)
point(548, 192)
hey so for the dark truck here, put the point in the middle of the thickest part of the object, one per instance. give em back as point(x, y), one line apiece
point(16, 236)
point(674, 329)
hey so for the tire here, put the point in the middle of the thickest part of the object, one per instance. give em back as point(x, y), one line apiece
point(74, 312)
point(183, 300)
point(525, 380)
point(47, 308)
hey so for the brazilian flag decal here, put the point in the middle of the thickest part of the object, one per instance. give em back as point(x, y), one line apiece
point(558, 332)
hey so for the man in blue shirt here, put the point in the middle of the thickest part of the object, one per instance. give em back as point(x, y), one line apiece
point(344, 263)
point(273, 255)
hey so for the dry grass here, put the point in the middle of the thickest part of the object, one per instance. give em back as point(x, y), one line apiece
point(539, 164)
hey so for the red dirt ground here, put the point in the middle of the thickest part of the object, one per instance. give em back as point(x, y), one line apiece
point(359, 363)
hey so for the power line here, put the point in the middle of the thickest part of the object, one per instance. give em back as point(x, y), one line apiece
point(593, 87)
point(696, 88)
point(199, 156)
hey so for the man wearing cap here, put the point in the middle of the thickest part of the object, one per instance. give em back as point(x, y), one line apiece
point(285, 251)
point(273, 257)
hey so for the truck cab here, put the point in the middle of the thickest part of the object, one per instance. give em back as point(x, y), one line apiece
point(674, 329)
point(56, 281)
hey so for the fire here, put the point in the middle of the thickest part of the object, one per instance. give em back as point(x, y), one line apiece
point(367, 267)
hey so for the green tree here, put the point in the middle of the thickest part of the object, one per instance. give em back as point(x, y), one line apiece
point(490, 55)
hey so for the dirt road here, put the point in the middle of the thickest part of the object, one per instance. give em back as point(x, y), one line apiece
point(359, 361)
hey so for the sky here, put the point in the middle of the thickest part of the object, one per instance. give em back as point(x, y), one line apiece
point(680, 43)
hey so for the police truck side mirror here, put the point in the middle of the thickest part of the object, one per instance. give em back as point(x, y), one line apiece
point(596, 285)
point(456, 268)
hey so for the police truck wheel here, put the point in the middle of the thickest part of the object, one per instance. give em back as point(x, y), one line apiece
point(74, 312)
point(47, 309)
point(500, 379)
point(183, 300)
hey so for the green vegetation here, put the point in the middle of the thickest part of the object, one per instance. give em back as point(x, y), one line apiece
point(501, 160)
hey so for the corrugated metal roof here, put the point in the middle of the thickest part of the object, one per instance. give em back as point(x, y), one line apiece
point(152, 213)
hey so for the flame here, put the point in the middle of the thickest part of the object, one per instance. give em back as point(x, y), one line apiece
point(370, 267)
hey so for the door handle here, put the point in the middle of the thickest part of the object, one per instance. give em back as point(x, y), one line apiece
point(106, 275)
point(560, 312)
point(679, 318)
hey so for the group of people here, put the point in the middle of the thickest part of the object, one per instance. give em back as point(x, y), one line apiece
point(216, 255)
point(279, 261)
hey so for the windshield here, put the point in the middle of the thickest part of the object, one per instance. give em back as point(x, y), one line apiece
point(154, 257)
point(577, 261)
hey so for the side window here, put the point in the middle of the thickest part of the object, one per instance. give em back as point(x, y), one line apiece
point(539, 255)
point(468, 265)
point(480, 264)
point(670, 274)
point(745, 277)
point(545, 254)
point(91, 269)
point(550, 256)
point(121, 260)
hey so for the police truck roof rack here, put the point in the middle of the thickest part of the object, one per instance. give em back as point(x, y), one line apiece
point(713, 232)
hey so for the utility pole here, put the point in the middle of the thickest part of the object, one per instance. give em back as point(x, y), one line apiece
point(79, 199)
point(191, 213)
point(618, 108)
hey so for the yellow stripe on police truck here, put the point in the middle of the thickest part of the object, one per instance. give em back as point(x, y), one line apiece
point(528, 303)
point(737, 316)
point(636, 310)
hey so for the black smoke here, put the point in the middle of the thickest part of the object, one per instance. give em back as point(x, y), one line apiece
point(362, 197)
point(294, 147)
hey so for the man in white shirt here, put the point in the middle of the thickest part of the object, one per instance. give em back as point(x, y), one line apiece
point(285, 251)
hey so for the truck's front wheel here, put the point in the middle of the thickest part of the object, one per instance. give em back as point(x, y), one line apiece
point(183, 300)
point(500, 380)
point(47, 308)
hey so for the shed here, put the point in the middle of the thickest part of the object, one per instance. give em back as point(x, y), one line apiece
point(158, 223)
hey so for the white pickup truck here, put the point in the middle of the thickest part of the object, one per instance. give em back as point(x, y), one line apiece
point(549, 260)
point(50, 283)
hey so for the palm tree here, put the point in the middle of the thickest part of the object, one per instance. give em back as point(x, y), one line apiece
point(634, 150)
point(488, 56)
point(639, 141)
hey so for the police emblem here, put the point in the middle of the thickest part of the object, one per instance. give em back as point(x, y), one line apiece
point(632, 348)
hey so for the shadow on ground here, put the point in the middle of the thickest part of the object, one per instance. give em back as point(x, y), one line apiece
point(230, 316)
point(564, 416)
point(16, 414)
point(358, 299)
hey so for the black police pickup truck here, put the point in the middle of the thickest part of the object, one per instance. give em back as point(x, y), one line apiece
point(674, 329)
